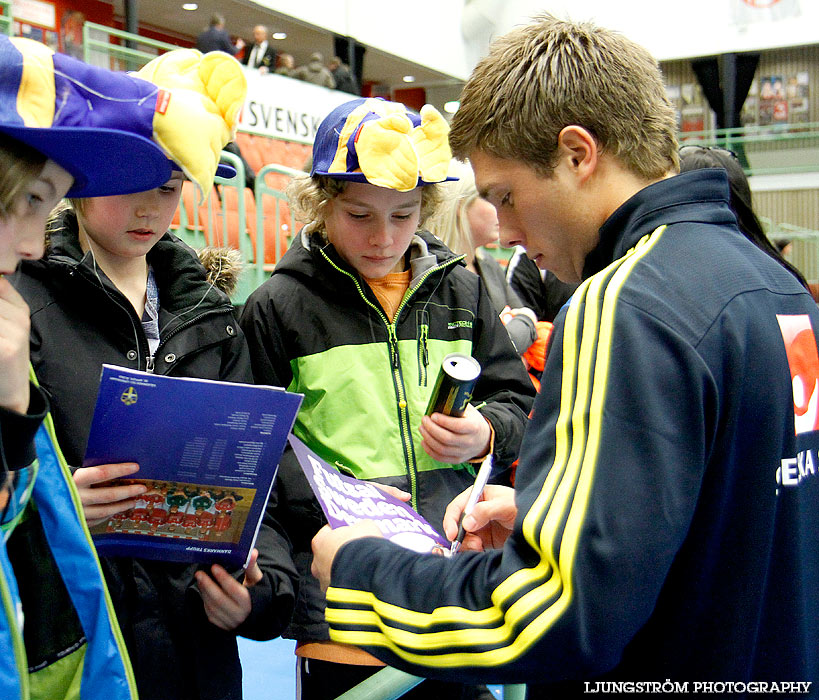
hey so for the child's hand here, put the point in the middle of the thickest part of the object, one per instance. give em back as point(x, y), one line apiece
point(14, 349)
point(454, 440)
point(101, 502)
point(226, 601)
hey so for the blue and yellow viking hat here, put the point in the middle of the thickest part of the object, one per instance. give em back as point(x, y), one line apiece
point(383, 143)
point(114, 132)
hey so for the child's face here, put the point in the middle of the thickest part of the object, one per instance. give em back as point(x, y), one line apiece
point(23, 230)
point(371, 227)
point(129, 225)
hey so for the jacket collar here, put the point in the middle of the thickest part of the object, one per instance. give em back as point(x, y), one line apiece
point(696, 196)
point(426, 251)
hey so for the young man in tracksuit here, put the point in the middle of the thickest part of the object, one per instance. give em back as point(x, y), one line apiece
point(664, 526)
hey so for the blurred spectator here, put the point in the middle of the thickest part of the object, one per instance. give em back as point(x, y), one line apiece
point(261, 54)
point(315, 72)
point(72, 23)
point(785, 246)
point(215, 38)
point(286, 65)
point(342, 76)
point(250, 175)
point(539, 289)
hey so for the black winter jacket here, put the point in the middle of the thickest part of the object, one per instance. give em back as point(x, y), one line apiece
point(315, 327)
point(79, 320)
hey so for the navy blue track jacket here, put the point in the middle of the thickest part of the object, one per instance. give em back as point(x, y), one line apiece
point(668, 500)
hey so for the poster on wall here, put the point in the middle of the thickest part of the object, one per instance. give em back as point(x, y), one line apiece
point(693, 109)
point(797, 91)
point(749, 115)
point(672, 92)
point(773, 107)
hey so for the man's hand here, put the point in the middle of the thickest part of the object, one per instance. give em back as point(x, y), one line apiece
point(100, 500)
point(490, 522)
point(455, 440)
point(226, 601)
point(327, 542)
point(14, 348)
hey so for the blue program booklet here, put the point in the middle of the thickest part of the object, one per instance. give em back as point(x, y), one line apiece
point(208, 452)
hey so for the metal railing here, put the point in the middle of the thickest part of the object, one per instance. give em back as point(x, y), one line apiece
point(765, 150)
point(281, 229)
point(390, 683)
point(119, 56)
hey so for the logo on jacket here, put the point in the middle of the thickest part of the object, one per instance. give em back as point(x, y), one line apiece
point(129, 396)
point(803, 359)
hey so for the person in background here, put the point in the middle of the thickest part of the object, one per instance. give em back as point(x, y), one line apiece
point(114, 287)
point(286, 65)
point(664, 526)
point(342, 75)
point(466, 223)
point(260, 54)
point(784, 246)
point(539, 290)
point(250, 174)
point(58, 633)
point(358, 316)
point(215, 38)
point(314, 71)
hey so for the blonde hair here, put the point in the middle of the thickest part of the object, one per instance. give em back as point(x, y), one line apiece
point(309, 196)
point(450, 222)
point(542, 77)
point(19, 166)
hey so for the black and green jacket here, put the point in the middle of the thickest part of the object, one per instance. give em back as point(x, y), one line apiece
point(315, 327)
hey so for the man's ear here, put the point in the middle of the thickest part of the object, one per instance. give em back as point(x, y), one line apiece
point(580, 150)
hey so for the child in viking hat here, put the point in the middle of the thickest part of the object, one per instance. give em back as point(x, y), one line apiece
point(358, 316)
point(115, 287)
point(54, 142)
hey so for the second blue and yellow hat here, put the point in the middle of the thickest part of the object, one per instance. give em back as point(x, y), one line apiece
point(383, 143)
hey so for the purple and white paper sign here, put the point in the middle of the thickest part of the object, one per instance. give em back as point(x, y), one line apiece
point(346, 500)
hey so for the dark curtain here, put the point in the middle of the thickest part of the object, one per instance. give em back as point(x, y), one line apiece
point(725, 82)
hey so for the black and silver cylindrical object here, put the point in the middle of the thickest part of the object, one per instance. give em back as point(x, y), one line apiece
point(454, 385)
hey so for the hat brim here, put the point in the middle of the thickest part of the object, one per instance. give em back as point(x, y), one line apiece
point(103, 161)
point(361, 177)
point(226, 171)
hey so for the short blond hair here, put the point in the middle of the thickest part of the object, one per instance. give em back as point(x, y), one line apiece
point(544, 76)
point(309, 196)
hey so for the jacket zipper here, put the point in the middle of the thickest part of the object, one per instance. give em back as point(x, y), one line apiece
point(423, 350)
point(410, 462)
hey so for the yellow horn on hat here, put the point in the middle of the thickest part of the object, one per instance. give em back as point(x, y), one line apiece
point(386, 154)
point(432, 144)
point(197, 115)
